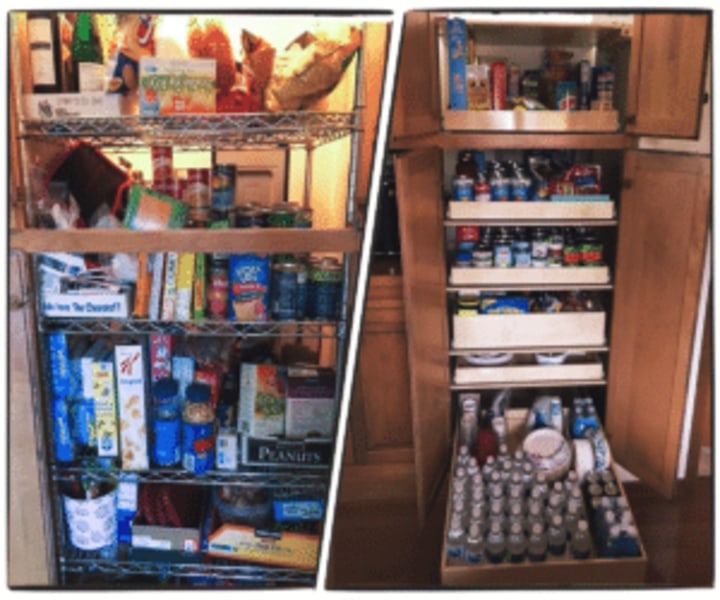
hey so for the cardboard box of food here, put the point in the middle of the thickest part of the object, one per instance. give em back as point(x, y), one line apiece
point(130, 375)
point(272, 451)
point(71, 106)
point(310, 403)
point(170, 86)
point(261, 410)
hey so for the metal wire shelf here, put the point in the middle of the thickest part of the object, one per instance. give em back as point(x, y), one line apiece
point(218, 131)
point(90, 564)
point(279, 479)
point(82, 326)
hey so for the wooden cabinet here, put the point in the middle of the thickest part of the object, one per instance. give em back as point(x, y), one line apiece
point(378, 460)
point(661, 249)
point(666, 74)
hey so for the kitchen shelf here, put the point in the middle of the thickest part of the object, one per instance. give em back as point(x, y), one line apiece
point(528, 349)
point(456, 140)
point(542, 212)
point(532, 329)
point(272, 240)
point(544, 383)
point(235, 329)
point(518, 278)
point(531, 121)
point(218, 131)
point(88, 564)
point(289, 477)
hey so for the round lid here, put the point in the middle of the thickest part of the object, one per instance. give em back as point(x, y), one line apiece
point(165, 389)
point(197, 392)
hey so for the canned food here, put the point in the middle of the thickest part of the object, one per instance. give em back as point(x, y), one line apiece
point(482, 190)
point(223, 187)
point(482, 257)
point(198, 434)
point(288, 291)
point(498, 85)
point(281, 215)
point(166, 423)
point(463, 258)
point(521, 254)
point(197, 218)
point(325, 289)
point(467, 236)
point(249, 216)
point(468, 304)
point(176, 187)
point(303, 218)
point(566, 95)
point(197, 190)
point(217, 289)
point(162, 163)
point(503, 254)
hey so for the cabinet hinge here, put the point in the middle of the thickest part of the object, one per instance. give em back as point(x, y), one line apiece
point(631, 120)
point(627, 184)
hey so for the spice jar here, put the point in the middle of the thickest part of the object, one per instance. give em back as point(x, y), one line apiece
point(198, 429)
point(166, 423)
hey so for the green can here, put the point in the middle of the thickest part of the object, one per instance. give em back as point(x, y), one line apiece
point(326, 277)
point(281, 215)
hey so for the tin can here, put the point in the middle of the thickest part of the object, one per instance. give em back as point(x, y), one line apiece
point(482, 256)
point(590, 251)
point(176, 187)
point(223, 187)
point(468, 304)
point(325, 290)
point(197, 218)
point(217, 288)
point(288, 291)
point(166, 423)
point(571, 250)
point(482, 189)
point(197, 191)
point(463, 189)
point(249, 216)
point(303, 218)
point(281, 215)
point(162, 163)
point(463, 258)
point(498, 85)
point(467, 236)
point(499, 187)
point(556, 244)
point(603, 86)
point(198, 434)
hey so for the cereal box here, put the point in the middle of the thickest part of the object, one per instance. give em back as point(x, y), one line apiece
point(130, 375)
point(59, 360)
point(171, 86)
point(106, 427)
point(183, 302)
point(310, 404)
point(199, 288)
point(457, 60)
point(261, 411)
point(169, 298)
point(157, 262)
point(160, 357)
point(249, 279)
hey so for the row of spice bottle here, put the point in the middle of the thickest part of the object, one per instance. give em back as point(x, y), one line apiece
point(505, 247)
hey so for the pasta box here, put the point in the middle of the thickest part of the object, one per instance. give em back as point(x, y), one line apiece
point(173, 86)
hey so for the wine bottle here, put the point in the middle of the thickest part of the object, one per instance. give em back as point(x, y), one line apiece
point(87, 56)
point(44, 45)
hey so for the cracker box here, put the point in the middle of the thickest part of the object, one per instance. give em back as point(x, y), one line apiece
point(160, 357)
point(148, 210)
point(169, 295)
point(457, 60)
point(310, 404)
point(261, 411)
point(130, 375)
point(106, 426)
point(183, 301)
point(276, 548)
point(249, 280)
point(172, 86)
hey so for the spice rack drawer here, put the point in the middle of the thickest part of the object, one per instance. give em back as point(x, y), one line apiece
point(524, 369)
point(533, 329)
point(515, 276)
point(531, 211)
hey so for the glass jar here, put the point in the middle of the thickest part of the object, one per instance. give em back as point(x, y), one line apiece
point(198, 430)
point(166, 423)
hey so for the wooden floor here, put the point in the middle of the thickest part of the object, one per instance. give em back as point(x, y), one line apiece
point(380, 546)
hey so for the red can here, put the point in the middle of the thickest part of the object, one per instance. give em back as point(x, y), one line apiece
point(162, 163)
point(467, 234)
point(176, 187)
point(498, 85)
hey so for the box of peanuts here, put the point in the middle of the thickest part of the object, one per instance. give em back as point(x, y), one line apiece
point(130, 378)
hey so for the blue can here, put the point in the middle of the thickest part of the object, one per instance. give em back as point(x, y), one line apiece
point(325, 289)
point(166, 423)
point(198, 430)
point(288, 291)
point(463, 189)
point(223, 187)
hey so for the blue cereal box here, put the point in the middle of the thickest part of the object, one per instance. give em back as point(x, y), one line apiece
point(249, 279)
point(59, 362)
point(457, 60)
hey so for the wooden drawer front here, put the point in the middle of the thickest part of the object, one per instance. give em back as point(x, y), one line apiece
point(514, 276)
point(540, 329)
point(531, 210)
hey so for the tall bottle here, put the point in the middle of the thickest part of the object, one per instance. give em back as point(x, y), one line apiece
point(516, 543)
point(580, 544)
point(43, 37)
point(557, 535)
point(537, 543)
point(474, 547)
point(87, 56)
point(495, 543)
point(455, 538)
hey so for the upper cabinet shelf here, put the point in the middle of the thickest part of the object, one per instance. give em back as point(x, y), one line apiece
point(218, 131)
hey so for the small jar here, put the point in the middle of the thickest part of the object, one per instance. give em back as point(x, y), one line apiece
point(166, 423)
point(468, 304)
point(198, 430)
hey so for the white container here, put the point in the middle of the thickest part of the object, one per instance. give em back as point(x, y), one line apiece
point(92, 524)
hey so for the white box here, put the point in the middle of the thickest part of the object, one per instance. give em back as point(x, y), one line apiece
point(310, 405)
point(130, 375)
point(86, 305)
point(67, 106)
point(261, 411)
point(106, 425)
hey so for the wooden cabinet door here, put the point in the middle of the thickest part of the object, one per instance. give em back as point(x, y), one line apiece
point(667, 68)
point(29, 529)
point(416, 103)
point(662, 237)
point(420, 212)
